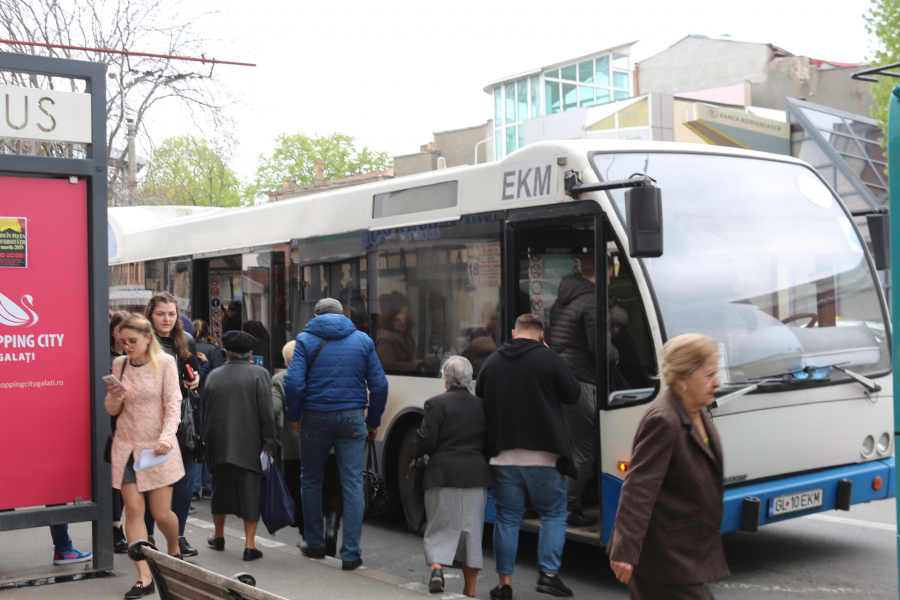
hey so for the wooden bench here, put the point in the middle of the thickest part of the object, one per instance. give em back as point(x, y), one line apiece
point(179, 580)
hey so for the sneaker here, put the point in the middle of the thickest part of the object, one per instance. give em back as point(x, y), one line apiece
point(71, 557)
point(552, 585)
point(579, 519)
point(138, 590)
point(502, 593)
point(120, 544)
point(192, 509)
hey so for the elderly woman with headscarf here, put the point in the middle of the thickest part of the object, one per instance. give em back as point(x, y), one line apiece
point(238, 425)
point(667, 544)
point(457, 476)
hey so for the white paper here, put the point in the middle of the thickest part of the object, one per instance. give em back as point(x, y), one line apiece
point(265, 461)
point(147, 459)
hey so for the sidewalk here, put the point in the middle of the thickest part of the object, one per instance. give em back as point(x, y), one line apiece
point(282, 570)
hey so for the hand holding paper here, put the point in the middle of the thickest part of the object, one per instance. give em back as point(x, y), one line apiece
point(265, 461)
point(148, 458)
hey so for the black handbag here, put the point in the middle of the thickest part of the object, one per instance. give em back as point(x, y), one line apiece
point(188, 433)
point(414, 499)
point(374, 490)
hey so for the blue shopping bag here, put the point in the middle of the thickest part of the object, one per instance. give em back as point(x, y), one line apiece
point(276, 504)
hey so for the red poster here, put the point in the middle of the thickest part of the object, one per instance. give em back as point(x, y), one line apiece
point(45, 421)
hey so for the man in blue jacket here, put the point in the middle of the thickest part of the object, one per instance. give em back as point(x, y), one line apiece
point(326, 401)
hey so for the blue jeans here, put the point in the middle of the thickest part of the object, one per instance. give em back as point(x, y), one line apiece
point(61, 540)
point(547, 489)
point(345, 430)
point(202, 479)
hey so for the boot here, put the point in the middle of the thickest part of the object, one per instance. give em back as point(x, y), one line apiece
point(332, 524)
point(120, 544)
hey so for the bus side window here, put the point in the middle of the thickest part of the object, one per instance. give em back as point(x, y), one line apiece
point(438, 295)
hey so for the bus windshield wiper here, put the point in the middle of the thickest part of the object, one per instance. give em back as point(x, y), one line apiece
point(751, 386)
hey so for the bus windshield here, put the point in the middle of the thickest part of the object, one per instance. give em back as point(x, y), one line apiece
point(759, 255)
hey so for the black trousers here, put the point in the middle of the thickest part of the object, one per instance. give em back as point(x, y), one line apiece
point(332, 496)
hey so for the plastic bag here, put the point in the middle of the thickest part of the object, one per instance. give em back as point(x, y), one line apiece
point(276, 506)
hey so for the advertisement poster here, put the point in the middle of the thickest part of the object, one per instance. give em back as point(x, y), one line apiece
point(45, 421)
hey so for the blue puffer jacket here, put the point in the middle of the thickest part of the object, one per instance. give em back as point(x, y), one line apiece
point(338, 378)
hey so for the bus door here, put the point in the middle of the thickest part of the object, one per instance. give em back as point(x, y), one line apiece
point(218, 294)
point(262, 287)
point(544, 247)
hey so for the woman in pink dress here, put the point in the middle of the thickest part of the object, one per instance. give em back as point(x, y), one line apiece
point(148, 406)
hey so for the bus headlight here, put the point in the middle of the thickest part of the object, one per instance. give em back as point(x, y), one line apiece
point(884, 443)
point(868, 446)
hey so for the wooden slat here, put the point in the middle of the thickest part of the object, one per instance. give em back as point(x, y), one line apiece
point(190, 592)
point(203, 580)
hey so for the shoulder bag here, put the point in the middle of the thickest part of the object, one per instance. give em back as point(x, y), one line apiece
point(374, 490)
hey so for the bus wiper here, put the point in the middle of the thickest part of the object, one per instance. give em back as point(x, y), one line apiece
point(750, 387)
point(865, 381)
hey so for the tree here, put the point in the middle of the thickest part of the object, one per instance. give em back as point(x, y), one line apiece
point(295, 155)
point(883, 22)
point(136, 84)
point(192, 171)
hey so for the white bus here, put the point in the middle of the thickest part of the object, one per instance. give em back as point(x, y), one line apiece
point(758, 253)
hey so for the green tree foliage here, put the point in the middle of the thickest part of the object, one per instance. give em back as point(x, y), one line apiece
point(192, 171)
point(883, 23)
point(295, 155)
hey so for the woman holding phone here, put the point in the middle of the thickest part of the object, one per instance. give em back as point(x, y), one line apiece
point(145, 396)
point(162, 312)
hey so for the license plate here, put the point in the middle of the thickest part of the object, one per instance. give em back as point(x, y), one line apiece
point(798, 501)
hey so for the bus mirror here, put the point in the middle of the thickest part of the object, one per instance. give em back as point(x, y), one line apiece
point(880, 233)
point(643, 212)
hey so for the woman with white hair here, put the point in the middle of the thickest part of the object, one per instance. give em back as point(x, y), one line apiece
point(457, 476)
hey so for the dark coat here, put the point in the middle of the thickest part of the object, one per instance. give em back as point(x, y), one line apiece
point(215, 358)
point(168, 346)
point(573, 327)
point(670, 510)
point(452, 435)
point(524, 385)
point(238, 418)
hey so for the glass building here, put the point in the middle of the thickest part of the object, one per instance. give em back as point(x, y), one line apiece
point(591, 80)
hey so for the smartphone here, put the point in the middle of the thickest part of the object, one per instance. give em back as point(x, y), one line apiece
point(113, 380)
point(190, 372)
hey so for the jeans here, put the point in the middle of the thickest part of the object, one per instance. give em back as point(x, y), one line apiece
point(61, 540)
point(345, 431)
point(202, 479)
point(581, 421)
point(182, 490)
point(547, 489)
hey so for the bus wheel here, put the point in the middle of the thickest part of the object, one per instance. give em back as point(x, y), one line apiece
point(404, 458)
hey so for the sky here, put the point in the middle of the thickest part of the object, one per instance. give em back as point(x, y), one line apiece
point(391, 73)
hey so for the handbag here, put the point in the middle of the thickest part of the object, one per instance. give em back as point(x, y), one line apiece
point(276, 507)
point(374, 490)
point(187, 434)
point(414, 499)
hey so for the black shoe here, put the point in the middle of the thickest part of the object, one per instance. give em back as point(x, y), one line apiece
point(552, 585)
point(502, 593)
point(579, 519)
point(436, 585)
point(186, 549)
point(331, 530)
point(195, 496)
point(120, 544)
point(251, 554)
point(216, 543)
point(139, 591)
point(305, 550)
point(349, 565)
point(151, 540)
point(192, 509)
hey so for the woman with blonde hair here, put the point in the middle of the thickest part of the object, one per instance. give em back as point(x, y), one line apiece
point(148, 406)
point(666, 543)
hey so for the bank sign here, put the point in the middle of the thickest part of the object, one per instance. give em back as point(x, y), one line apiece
point(45, 115)
point(45, 370)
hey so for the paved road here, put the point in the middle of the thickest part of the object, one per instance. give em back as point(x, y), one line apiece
point(843, 555)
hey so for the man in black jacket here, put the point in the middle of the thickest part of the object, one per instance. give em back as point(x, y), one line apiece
point(573, 319)
point(524, 385)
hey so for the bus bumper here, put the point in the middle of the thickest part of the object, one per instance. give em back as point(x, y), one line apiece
point(861, 475)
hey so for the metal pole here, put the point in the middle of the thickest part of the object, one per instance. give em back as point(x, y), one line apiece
point(893, 139)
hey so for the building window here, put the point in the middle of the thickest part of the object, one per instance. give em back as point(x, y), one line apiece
point(535, 96)
point(498, 106)
point(510, 102)
point(521, 132)
point(511, 139)
point(522, 97)
point(602, 71)
point(570, 96)
point(598, 83)
point(498, 144)
point(552, 97)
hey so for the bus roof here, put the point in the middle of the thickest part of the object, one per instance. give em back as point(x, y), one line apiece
point(221, 231)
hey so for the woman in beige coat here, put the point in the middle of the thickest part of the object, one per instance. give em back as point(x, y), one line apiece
point(148, 406)
point(666, 543)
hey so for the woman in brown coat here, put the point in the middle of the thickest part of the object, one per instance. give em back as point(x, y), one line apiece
point(395, 346)
point(666, 543)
